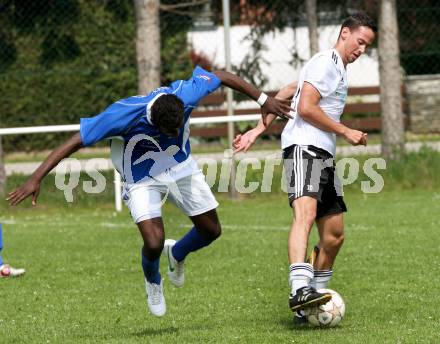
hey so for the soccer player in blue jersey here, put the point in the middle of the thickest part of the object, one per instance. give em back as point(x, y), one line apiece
point(151, 149)
point(5, 269)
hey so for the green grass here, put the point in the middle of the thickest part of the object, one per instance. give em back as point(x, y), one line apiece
point(84, 280)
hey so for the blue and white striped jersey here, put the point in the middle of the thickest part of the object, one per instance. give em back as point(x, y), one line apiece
point(139, 150)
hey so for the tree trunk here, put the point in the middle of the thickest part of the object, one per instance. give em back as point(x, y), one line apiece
point(2, 171)
point(147, 44)
point(393, 135)
point(312, 23)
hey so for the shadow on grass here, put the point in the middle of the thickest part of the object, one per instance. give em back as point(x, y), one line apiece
point(156, 331)
point(289, 324)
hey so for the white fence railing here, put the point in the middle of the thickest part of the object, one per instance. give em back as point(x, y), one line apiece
point(75, 127)
point(117, 181)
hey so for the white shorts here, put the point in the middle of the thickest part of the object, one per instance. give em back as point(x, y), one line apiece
point(190, 193)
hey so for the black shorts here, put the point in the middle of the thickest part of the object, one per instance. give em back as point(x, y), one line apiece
point(310, 171)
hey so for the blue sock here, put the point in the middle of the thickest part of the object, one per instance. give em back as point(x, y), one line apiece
point(1, 244)
point(151, 269)
point(191, 241)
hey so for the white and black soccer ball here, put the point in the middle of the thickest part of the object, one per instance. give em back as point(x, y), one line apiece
point(329, 314)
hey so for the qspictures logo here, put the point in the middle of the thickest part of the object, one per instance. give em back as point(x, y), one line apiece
point(252, 174)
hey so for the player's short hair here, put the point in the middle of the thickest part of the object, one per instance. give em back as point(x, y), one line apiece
point(167, 114)
point(357, 20)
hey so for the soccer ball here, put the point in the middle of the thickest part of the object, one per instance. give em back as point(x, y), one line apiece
point(329, 314)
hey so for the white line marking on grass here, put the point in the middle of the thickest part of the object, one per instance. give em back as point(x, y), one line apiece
point(270, 228)
point(8, 222)
point(359, 227)
point(115, 225)
point(70, 223)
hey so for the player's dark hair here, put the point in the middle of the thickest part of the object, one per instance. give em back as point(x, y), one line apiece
point(357, 20)
point(167, 114)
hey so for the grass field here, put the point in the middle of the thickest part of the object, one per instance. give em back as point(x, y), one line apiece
point(84, 280)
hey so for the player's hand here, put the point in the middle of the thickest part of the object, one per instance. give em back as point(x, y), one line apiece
point(364, 139)
point(243, 142)
point(278, 107)
point(31, 187)
point(356, 137)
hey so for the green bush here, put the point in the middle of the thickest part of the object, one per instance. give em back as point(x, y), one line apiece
point(71, 59)
point(49, 84)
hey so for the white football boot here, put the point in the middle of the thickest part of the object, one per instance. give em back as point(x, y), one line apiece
point(9, 271)
point(155, 298)
point(175, 269)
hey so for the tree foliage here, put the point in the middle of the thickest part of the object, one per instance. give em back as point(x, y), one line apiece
point(66, 59)
point(72, 59)
point(62, 60)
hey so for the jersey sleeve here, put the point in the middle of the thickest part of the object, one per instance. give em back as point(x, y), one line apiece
point(323, 74)
point(113, 121)
point(198, 86)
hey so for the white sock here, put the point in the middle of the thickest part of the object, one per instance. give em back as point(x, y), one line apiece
point(300, 276)
point(321, 279)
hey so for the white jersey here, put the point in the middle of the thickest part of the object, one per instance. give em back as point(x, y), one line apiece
point(326, 72)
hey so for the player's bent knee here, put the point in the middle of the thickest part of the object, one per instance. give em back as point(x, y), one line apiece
point(211, 232)
point(339, 241)
point(153, 249)
point(335, 242)
point(218, 231)
point(214, 232)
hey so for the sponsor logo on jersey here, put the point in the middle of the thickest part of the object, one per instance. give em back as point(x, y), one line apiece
point(334, 58)
point(160, 89)
point(204, 77)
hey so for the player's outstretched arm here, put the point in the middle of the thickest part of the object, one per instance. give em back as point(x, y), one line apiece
point(243, 142)
point(269, 105)
point(32, 185)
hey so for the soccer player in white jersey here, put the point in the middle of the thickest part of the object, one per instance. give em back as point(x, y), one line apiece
point(151, 149)
point(309, 145)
